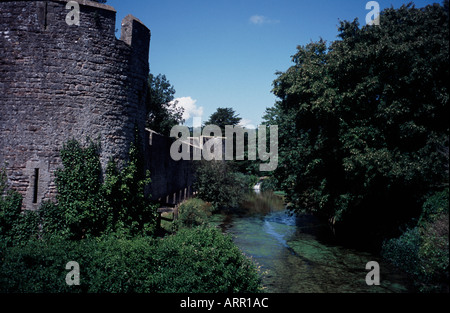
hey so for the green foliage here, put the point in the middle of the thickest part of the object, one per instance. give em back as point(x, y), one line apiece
point(197, 260)
point(434, 207)
point(53, 222)
point(79, 185)
point(223, 117)
point(269, 184)
point(194, 212)
point(163, 112)
point(434, 254)
point(362, 121)
point(423, 251)
point(434, 249)
point(218, 184)
point(205, 260)
point(403, 252)
point(252, 180)
point(116, 254)
point(16, 227)
point(37, 267)
point(10, 209)
point(128, 209)
point(86, 207)
point(89, 207)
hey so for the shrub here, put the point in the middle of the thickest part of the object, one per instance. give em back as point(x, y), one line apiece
point(16, 227)
point(194, 260)
point(434, 255)
point(194, 212)
point(38, 266)
point(218, 184)
point(434, 207)
point(107, 265)
point(423, 251)
point(202, 260)
point(269, 184)
point(53, 222)
point(10, 208)
point(89, 207)
point(251, 180)
point(78, 184)
point(403, 252)
point(128, 209)
point(434, 250)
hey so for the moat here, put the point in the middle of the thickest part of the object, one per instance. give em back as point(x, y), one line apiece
point(299, 254)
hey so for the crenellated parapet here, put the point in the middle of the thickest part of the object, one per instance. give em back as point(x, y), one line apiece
point(61, 80)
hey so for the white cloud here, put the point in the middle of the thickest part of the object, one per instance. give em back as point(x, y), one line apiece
point(260, 20)
point(246, 123)
point(190, 107)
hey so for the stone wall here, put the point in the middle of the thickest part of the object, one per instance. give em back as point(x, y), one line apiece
point(171, 180)
point(59, 82)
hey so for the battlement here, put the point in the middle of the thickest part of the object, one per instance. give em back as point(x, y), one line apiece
point(61, 81)
point(50, 16)
point(90, 4)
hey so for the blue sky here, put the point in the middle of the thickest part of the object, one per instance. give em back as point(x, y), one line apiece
point(224, 53)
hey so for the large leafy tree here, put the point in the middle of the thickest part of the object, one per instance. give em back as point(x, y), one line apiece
point(228, 117)
point(163, 111)
point(223, 117)
point(363, 121)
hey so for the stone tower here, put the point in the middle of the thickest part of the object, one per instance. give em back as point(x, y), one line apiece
point(61, 82)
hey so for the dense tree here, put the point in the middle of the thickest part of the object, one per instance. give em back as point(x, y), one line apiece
point(223, 117)
point(363, 121)
point(163, 112)
point(241, 163)
point(217, 183)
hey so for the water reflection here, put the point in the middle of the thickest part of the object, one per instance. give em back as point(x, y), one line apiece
point(298, 251)
point(261, 203)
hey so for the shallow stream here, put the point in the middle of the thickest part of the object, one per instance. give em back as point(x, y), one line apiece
point(299, 254)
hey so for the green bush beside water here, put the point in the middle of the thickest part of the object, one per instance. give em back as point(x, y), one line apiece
point(194, 212)
point(193, 260)
point(218, 183)
point(423, 251)
point(269, 184)
point(108, 227)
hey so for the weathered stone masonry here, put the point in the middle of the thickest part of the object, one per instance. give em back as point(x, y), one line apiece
point(59, 82)
point(171, 180)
